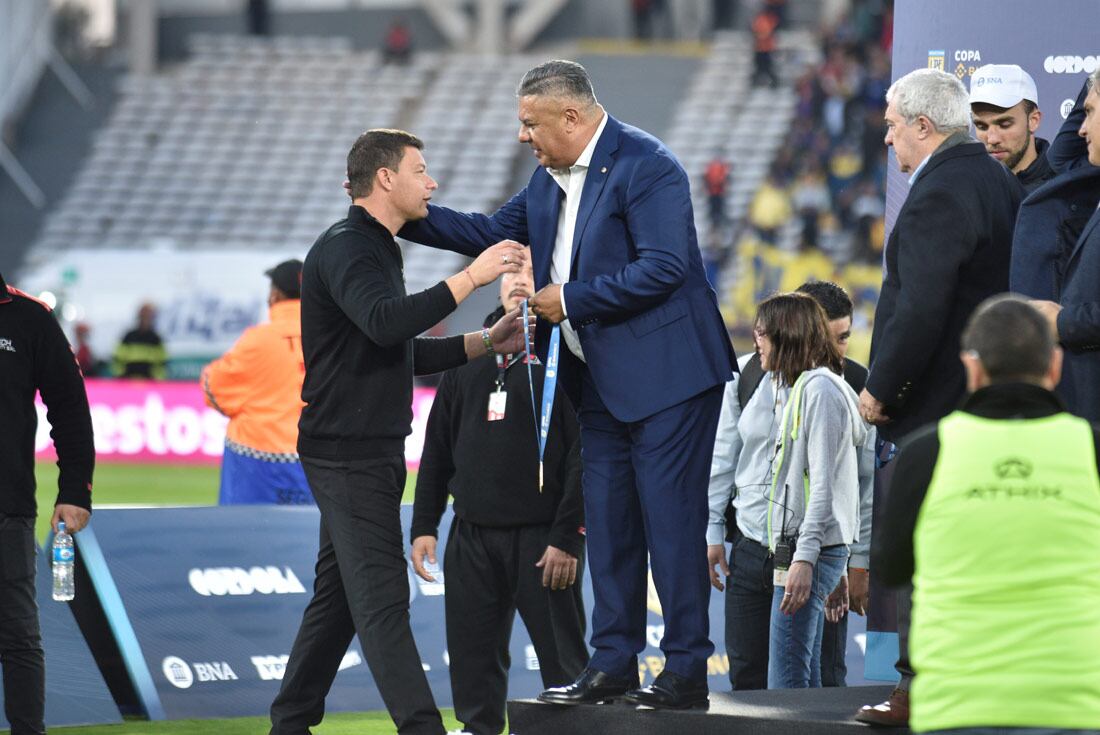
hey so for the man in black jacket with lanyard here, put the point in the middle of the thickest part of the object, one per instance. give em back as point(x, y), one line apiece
point(34, 357)
point(512, 546)
point(359, 340)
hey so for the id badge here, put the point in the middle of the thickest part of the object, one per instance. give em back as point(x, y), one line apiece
point(498, 402)
point(779, 577)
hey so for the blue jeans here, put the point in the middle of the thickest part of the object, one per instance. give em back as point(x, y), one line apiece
point(794, 647)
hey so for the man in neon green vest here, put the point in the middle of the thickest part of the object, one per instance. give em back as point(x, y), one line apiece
point(994, 513)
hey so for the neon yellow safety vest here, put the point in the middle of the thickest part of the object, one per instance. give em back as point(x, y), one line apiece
point(1006, 602)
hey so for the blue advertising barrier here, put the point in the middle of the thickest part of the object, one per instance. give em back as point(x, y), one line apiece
point(75, 692)
point(204, 604)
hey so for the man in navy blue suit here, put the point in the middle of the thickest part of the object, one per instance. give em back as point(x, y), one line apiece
point(609, 219)
point(1063, 219)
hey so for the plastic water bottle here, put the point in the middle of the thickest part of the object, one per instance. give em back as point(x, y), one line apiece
point(64, 579)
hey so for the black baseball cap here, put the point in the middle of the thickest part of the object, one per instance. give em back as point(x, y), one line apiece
point(287, 277)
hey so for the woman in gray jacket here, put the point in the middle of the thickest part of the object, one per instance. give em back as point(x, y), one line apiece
point(814, 493)
point(740, 487)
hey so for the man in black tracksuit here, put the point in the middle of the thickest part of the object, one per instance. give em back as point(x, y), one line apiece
point(359, 331)
point(511, 546)
point(34, 356)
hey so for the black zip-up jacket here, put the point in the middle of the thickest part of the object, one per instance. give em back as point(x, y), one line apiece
point(359, 340)
point(892, 555)
point(491, 467)
point(1040, 170)
point(35, 356)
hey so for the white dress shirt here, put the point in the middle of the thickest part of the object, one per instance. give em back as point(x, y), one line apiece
point(571, 181)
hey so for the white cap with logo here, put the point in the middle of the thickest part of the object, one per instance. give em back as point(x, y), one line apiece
point(1003, 85)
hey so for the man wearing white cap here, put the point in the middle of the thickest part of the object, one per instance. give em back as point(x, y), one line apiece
point(1004, 104)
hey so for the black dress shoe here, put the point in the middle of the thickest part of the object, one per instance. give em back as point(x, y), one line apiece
point(671, 691)
point(591, 687)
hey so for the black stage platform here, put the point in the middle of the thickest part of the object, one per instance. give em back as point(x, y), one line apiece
point(784, 712)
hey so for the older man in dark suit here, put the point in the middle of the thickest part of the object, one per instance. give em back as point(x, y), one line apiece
point(1070, 201)
point(949, 250)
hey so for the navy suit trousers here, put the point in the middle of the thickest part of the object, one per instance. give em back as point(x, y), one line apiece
point(645, 490)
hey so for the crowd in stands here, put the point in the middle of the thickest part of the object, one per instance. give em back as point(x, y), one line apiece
point(830, 175)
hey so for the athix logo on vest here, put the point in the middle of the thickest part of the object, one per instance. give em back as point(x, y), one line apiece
point(6, 345)
point(1011, 470)
point(1013, 467)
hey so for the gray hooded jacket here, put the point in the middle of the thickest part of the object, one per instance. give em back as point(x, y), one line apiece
point(816, 474)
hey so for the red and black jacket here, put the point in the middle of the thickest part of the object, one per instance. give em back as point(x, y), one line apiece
point(35, 357)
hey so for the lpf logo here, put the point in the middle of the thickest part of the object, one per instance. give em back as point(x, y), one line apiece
point(936, 59)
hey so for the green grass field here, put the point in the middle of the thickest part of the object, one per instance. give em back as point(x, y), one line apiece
point(367, 723)
point(144, 484)
point(168, 485)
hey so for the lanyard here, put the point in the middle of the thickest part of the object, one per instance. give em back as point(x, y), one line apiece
point(502, 366)
point(549, 385)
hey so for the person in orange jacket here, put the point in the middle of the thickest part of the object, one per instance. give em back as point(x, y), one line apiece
point(258, 385)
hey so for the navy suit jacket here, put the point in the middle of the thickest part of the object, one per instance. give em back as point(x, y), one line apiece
point(1079, 324)
point(1052, 218)
point(1056, 256)
point(646, 317)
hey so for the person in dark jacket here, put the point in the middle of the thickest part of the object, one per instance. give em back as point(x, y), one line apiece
point(1053, 217)
point(948, 251)
point(359, 340)
point(34, 357)
point(141, 354)
point(1004, 104)
point(512, 545)
point(1074, 310)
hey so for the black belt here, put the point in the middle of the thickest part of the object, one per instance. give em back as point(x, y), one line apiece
point(758, 549)
point(741, 542)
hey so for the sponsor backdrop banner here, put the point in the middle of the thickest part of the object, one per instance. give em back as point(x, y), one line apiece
point(169, 423)
point(1057, 44)
point(204, 299)
point(75, 692)
point(205, 603)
